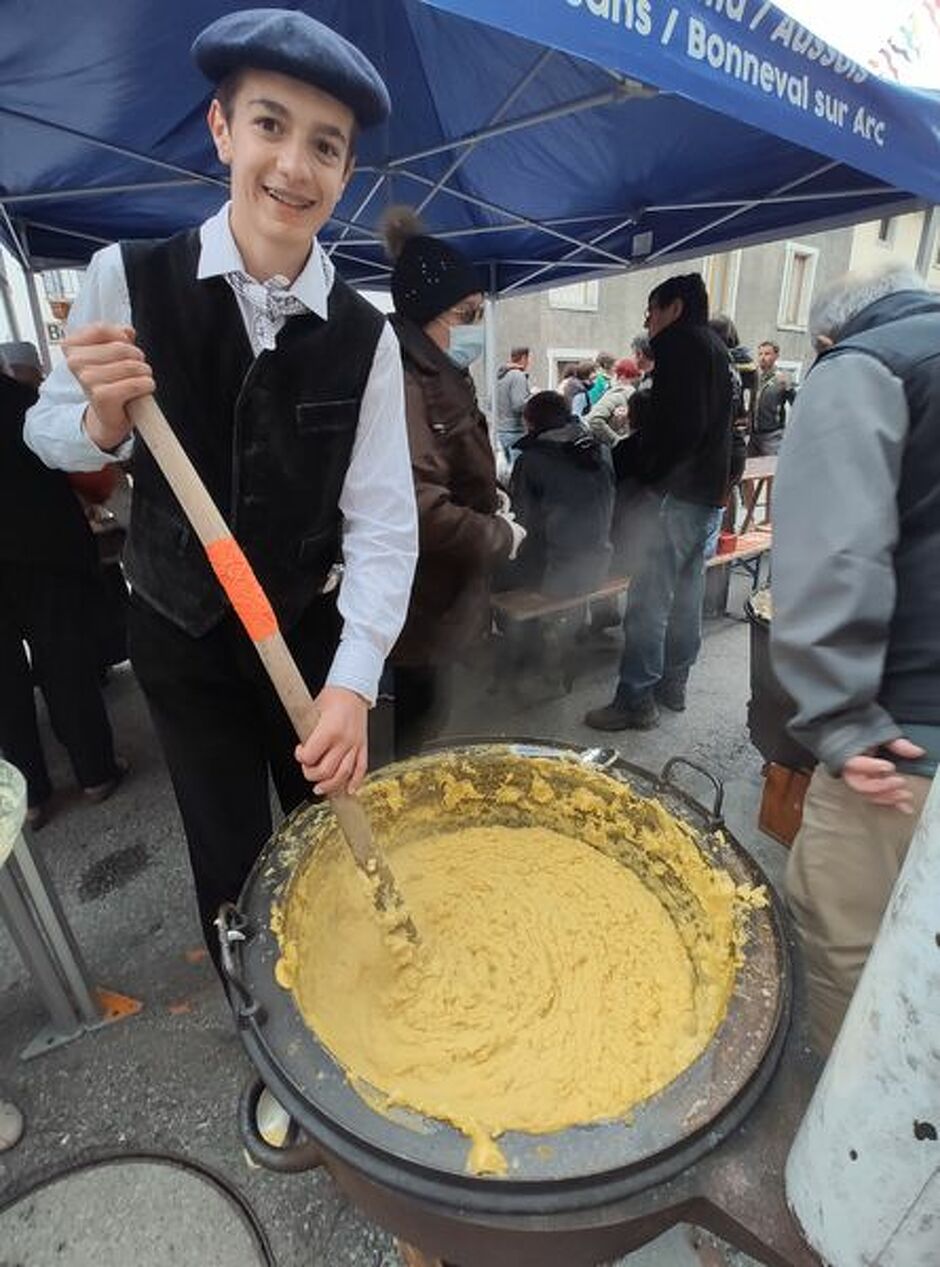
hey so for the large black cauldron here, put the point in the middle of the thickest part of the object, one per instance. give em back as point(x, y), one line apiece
point(559, 1202)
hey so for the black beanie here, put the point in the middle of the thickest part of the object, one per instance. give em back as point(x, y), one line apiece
point(428, 276)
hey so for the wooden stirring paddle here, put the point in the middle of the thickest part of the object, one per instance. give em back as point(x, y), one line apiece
point(251, 605)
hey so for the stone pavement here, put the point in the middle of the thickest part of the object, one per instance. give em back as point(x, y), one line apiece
point(164, 1083)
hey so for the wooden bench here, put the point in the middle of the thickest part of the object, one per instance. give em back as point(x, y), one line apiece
point(524, 605)
point(515, 609)
point(748, 555)
point(748, 547)
point(758, 476)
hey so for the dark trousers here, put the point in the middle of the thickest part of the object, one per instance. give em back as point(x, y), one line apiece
point(54, 612)
point(223, 732)
point(422, 703)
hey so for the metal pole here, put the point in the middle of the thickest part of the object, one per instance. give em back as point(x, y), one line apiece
point(34, 882)
point(35, 305)
point(490, 353)
point(39, 321)
point(8, 307)
point(926, 250)
point(37, 956)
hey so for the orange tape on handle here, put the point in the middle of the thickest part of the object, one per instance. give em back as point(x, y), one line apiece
point(242, 588)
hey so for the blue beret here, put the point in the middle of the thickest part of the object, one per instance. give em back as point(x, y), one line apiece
point(297, 45)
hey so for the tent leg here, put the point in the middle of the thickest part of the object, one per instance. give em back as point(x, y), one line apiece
point(926, 250)
point(7, 300)
point(35, 308)
point(491, 362)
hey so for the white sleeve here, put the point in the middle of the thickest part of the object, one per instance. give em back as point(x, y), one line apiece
point(380, 528)
point(54, 428)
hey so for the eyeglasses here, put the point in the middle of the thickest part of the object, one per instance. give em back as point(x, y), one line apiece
point(468, 314)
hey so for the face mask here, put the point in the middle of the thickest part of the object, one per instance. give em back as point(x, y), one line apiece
point(466, 344)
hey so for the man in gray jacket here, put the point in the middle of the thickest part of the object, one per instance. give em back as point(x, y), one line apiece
point(856, 628)
point(512, 391)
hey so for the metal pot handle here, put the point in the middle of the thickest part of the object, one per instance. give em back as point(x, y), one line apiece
point(233, 930)
point(296, 1155)
point(665, 782)
point(600, 758)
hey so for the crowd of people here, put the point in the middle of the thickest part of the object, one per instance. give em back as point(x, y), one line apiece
point(344, 447)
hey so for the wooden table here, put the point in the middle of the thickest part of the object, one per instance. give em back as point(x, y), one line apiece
point(758, 475)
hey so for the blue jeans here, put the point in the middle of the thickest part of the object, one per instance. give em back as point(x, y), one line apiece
point(663, 621)
point(507, 440)
point(714, 531)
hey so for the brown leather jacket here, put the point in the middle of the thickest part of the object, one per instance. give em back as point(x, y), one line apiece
point(460, 540)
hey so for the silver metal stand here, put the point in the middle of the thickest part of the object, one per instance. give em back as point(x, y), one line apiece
point(37, 924)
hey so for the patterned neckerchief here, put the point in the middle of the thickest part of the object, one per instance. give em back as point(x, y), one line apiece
point(271, 304)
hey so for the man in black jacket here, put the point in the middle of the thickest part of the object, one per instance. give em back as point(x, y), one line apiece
point(682, 451)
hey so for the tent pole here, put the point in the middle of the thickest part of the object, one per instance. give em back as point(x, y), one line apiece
point(99, 191)
point(8, 308)
point(928, 241)
point(483, 230)
point(109, 148)
point(35, 308)
point(490, 330)
point(515, 216)
point(461, 158)
point(35, 305)
point(623, 267)
point(747, 206)
point(562, 111)
point(354, 222)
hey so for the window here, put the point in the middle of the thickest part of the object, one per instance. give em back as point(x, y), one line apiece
point(577, 297)
point(796, 293)
point(560, 359)
point(792, 369)
point(61, 283)
point(886, 226)
point(721, 274)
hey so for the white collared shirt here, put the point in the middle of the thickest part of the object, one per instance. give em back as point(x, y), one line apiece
point(219, 256)
point(377, 500)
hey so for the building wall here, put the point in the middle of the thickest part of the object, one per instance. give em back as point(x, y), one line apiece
point(896, 238)
point(755, 301)
point(16, 315)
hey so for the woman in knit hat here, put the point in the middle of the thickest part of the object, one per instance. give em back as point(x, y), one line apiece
point(465, 527)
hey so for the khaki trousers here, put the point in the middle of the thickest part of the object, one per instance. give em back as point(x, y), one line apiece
point(842, 868)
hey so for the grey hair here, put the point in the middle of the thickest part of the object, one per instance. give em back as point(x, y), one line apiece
point(842, 300)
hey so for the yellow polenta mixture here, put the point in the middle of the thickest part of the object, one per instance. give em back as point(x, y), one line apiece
point(552, 985)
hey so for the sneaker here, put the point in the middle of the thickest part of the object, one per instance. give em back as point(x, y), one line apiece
point(640, 715)
point(101, 791)
point(671, 694)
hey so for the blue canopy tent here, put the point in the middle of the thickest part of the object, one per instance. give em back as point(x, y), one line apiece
point(551, 139)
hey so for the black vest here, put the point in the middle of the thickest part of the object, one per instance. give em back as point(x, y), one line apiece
point(903, 332)
point(271, 436)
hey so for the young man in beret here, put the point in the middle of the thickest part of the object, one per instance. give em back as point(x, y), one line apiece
point(285, 388)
